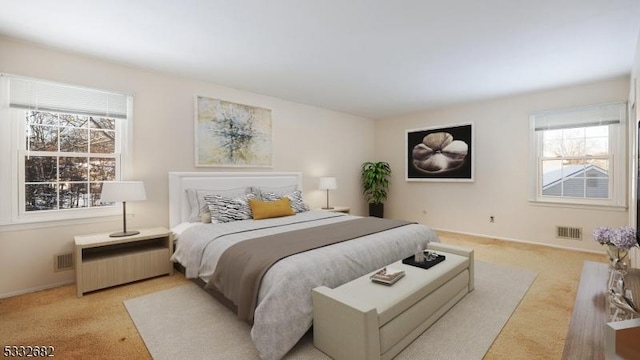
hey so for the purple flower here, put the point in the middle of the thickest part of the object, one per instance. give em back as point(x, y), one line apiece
point(624, 238)
point(603, 235)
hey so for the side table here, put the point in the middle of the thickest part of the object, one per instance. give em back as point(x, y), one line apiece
point(102, 261)
point(342, 209)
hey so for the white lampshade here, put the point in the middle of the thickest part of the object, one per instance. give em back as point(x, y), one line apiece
point(122, 191)
point(328, 183)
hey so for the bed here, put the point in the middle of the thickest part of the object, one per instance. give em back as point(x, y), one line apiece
point(283, 312)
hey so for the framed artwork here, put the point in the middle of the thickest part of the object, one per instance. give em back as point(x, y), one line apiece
point(442, 153)
point(229, 134)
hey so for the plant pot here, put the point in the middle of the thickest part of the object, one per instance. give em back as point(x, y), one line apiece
point(376, 210)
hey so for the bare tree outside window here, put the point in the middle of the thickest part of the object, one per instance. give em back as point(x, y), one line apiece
point(68, 158)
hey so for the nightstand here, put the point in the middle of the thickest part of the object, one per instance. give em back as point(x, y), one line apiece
point(102, 261)
point(342, 209)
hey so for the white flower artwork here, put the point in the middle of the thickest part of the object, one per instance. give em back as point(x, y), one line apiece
point(440, 153)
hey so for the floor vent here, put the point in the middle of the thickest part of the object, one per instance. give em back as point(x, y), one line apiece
point(63, 262)
point(566, 232)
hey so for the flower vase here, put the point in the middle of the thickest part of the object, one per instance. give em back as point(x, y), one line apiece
point(617, 258)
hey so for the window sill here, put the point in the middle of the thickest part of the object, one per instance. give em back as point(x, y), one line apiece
point(41, 222)
point(578, 206)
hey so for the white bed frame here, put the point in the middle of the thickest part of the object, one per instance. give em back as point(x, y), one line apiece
point(180, 181)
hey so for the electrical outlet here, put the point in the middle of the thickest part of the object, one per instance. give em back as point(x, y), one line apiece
point(492, 219)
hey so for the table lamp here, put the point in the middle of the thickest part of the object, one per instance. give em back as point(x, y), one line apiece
point(123, 191)
point(328, 183)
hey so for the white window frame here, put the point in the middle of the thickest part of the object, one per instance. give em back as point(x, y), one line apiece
point(12, 152)
point(617, 199)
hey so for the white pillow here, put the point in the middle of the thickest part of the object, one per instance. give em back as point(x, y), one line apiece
point(197, 204)
point(295, 198)
point(278, 190)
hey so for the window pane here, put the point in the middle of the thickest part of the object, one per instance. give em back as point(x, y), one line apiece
point(40, 197)
point(73, 140)
point(40, 168)
point(74, 121)
point(73, 195)
point(103, 141)
point(551, 135)
point(102, 123)
point(597, 146)
point(94, 195)
point(573, 187)
point(573, 147)
point(42, 138)
point(41, 118)
point(551, 149)
point(600, 165)
point(554, 190)
point(598, 188)
point(73, 169)
point(597, 131)
point(574, 133)
point(102, 169)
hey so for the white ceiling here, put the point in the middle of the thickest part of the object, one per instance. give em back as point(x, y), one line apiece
point(374, 58)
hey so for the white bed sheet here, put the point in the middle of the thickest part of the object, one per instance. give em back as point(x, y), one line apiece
point(284, 313)
point(180, 228)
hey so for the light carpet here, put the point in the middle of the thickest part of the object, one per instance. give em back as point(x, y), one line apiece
point(185, 322)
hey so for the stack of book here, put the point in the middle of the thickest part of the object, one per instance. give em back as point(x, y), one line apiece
point(387, 276)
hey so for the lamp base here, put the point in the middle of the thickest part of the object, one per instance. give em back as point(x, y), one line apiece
point(125, 233)
point(328, 208)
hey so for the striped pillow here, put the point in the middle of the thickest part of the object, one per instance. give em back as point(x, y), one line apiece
point(199, 206)
point(224, 209)
point(295, 197)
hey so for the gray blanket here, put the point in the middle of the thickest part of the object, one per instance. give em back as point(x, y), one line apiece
point(241, 267)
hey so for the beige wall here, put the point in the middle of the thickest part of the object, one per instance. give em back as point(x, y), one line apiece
point(314, 141)
point(501, 185)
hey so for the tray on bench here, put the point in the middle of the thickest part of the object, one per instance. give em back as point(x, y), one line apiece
point(423, 264)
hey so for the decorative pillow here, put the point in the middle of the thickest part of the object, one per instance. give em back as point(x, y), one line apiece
point(198, 204)
point(278, 190)
point(224, 209)
point(270, 209)
point(297, 204)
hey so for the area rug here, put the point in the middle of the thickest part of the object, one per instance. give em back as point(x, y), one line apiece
point(185, 322)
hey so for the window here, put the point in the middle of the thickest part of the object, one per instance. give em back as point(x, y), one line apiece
point(578, 155)
point(67, 158)
point(62, 142)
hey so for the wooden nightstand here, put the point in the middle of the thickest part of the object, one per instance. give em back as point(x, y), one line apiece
point(102, 261)
point(342, 209)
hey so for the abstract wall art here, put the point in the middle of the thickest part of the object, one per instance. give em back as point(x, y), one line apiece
point(230, 134)
point(443, 153)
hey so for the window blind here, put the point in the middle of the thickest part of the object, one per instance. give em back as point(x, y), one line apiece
point(596, 115)
point(41, 95)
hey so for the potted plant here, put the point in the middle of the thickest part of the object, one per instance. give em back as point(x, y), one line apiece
point(375, 183)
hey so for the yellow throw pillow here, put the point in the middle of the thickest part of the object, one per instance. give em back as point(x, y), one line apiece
point(270, 209)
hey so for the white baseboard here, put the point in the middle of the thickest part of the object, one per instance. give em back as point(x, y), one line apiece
point(521, 241)
point(34, 289)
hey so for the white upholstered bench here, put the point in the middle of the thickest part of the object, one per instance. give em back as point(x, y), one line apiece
point(362, 320)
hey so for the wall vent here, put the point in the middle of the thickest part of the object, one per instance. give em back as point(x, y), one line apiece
point(566, 232)
point(63, 262)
